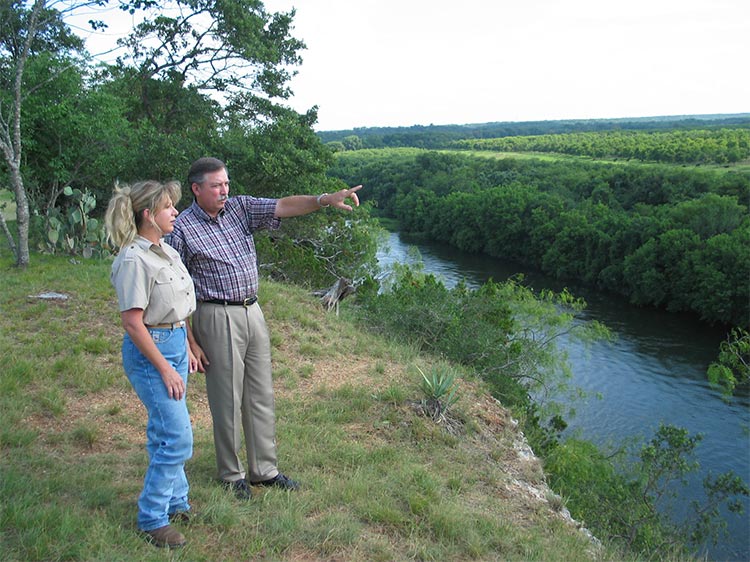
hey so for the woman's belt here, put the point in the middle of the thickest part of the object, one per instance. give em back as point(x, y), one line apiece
point(170, 326)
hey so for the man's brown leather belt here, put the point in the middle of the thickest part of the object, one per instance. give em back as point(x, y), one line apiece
point(249, 301)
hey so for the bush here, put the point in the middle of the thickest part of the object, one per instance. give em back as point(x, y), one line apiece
point(629, 504)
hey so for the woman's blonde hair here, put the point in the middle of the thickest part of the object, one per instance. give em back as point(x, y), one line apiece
point(125, 210)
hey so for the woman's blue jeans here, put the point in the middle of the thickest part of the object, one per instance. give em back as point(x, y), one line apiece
point(169, 436)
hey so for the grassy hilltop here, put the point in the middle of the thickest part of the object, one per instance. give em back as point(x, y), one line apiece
point(380, 480)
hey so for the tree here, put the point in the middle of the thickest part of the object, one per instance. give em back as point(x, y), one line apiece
point(732, 366)
point(709, 215)
point(627, 495)
point(73, 136)
point(24, 34)
point(336, 146)
point(233, 50)
point(352, 142)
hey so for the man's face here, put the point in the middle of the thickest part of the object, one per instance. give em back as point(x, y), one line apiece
point(213, 192)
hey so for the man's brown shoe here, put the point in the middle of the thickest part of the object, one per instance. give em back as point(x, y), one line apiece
point(165, 537)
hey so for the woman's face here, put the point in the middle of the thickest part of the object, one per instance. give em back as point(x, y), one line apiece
point(164, 218)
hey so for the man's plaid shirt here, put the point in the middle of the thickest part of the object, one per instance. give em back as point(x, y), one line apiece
point(219, 252)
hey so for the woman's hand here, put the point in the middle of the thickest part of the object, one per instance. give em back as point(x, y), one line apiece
point(174, 384)
point(132, 321)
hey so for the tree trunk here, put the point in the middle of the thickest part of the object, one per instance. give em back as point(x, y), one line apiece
point(340, 289)
point(22, 218)
point(10, 138)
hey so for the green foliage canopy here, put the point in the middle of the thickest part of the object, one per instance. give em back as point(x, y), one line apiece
point(194, 79)
point(696, 146)
point(660, 235)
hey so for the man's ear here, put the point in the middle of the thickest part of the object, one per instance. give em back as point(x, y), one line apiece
point(195, 187)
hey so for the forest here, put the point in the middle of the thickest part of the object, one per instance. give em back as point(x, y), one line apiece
point(443, 136)
point(662, 235)
point(701, 146)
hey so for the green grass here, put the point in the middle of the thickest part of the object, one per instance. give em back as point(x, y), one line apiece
point(380, 480)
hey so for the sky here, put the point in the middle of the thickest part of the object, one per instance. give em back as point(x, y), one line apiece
point(383, 63)
point(398, 63)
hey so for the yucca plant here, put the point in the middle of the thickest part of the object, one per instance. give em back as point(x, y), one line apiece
point(440, 391)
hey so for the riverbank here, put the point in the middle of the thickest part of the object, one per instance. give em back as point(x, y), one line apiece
point(380, 481)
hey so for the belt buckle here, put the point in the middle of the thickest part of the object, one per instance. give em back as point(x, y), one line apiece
point(249, 301)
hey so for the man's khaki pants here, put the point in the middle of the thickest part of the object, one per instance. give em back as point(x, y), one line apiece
point(240, 388)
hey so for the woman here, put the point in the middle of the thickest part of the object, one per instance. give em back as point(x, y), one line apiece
point(156, 296)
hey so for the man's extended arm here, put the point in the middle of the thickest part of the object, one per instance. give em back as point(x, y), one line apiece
point(297, 205)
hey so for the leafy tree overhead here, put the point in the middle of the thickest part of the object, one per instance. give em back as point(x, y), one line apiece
point(234, 48)
point(192, 79)
point(184, 67)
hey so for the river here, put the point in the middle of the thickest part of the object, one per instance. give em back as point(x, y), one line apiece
point(654, 371)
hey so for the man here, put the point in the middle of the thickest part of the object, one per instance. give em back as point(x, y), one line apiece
point(228, 335)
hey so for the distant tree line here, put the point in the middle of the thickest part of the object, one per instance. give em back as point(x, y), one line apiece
point(441, 136)
point(696, 146)
point(664, 236)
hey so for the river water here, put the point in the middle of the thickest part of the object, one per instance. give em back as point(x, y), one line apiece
point(653, 372)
